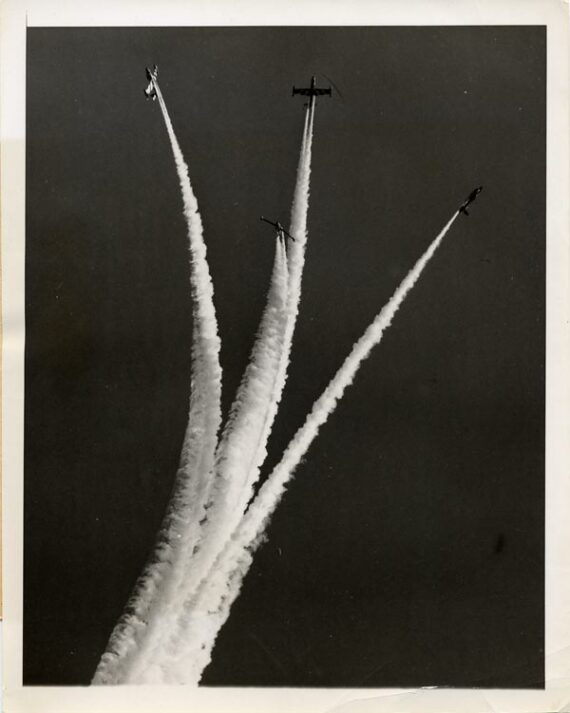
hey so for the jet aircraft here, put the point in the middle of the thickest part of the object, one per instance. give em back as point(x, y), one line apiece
point(151, 75)
point(470, 198)
point(280, 230)
point(312, 91)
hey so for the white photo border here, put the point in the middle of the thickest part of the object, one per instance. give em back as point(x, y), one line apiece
point(16, 16)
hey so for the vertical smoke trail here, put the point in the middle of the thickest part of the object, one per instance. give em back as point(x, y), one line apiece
point(180, 528)
point(212, 605)
point(299, 212)
point(296, 255)
point(243, 446)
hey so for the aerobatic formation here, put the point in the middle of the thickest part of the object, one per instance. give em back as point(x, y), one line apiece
point(215, 519)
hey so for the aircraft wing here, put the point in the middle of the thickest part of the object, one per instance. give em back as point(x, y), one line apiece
point(312, 91)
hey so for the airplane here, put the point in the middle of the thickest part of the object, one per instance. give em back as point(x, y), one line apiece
point(281, 232)
point(312, 91)
point(470, 198)
point(151, 75)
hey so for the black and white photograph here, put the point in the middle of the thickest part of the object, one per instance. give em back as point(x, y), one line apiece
point(285, 367)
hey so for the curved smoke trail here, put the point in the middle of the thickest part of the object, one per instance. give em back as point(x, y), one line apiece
point(238, 447)
point(211, 606)
point(180, 529)
point(243, 445)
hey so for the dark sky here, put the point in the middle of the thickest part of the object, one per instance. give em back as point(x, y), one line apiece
point(409, 548)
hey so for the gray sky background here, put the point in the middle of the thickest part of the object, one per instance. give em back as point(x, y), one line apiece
point(409, 548)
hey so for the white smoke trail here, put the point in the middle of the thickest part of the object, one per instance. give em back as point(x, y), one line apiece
point(236, 452)
point(238, 447)
point(294, 266)
point(242, 448)
point(296, 261)
point(180, 529)
point(211, 606)
point(299, 212)
point(242, 444)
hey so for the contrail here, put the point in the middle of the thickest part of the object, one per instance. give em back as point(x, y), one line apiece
point(180, 528)
point(242, 448)
point(211, 607)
